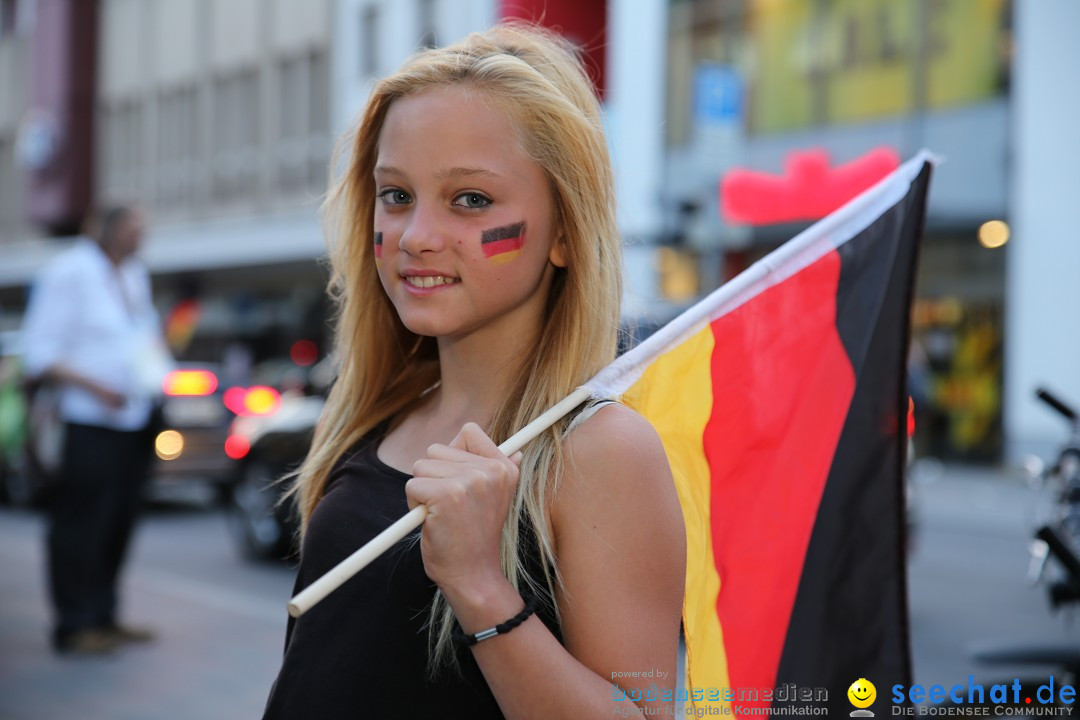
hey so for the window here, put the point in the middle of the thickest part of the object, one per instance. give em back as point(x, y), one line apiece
point(177, 150)
point(292, 123)
point(702, 37)
point(303, 122)
point(122, 136)
point(318, 141)
point(236, 133)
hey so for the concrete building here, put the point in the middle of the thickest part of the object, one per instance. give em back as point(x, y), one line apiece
point(219, 116)
point(213, 114)
point(16, 22)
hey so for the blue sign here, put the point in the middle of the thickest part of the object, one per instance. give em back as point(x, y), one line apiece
point(718, 94)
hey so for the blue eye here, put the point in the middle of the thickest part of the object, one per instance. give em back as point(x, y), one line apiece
point(472, 201)
point(394, 196)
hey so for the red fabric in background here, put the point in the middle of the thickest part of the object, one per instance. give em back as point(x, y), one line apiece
point(584, 22)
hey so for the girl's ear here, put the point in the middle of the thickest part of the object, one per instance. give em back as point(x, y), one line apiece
point(557, 256)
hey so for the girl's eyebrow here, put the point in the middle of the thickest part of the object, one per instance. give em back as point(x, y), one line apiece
point(389, 170)
point(443, 174)
point(467, 172)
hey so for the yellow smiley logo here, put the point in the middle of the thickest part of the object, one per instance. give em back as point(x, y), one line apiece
point(862, 693)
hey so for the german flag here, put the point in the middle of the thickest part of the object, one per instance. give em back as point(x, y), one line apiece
point(503, 244)
point(781, 403)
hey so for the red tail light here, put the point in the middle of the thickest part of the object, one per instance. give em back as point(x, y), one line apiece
point(910, 416)
point(258, 400)
point(234, 400)
point(190, 382)
point(261, 400)
point(237, 446)
point(304, 353)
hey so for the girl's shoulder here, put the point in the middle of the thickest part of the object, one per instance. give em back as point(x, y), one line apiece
point(608, 446)
point(616, 519)
point(604, 422)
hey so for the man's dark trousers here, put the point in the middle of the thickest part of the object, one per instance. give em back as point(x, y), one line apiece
point(93, 512)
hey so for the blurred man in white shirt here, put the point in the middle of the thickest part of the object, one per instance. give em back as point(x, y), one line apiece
point(91, 329)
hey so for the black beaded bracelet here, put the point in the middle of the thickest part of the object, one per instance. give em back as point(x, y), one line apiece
point(500, 629)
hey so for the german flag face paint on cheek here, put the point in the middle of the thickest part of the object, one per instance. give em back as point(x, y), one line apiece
point(378, 246)
point(503, 244)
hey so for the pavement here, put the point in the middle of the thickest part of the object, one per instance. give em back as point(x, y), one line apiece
point(968, 574)
point(221, 619)
point(220, 622)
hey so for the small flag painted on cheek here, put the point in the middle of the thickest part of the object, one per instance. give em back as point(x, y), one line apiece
point(503, 244)
point(378, 246)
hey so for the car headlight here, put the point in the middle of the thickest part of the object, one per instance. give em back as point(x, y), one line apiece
point(169, 444)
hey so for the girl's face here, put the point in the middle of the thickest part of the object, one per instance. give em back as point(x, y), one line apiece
point(463, 219)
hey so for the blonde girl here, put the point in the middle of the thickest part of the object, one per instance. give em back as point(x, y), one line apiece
point(476, 267)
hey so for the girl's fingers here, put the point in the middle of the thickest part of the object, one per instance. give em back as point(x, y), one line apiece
point(433, 492)
point(473, 439)
point(418, 491)
point(453, 474)
point(441, 468)
point(446, 452)
point(452, 454)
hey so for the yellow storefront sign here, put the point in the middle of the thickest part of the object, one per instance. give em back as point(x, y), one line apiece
point(834, 61)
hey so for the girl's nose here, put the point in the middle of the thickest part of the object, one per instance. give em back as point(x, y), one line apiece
point(423, 234)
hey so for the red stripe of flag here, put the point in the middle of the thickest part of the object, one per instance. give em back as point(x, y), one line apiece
point(498, 247)
point(786, 382)
point(500, 240)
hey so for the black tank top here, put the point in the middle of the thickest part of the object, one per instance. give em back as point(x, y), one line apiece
point(362, 652)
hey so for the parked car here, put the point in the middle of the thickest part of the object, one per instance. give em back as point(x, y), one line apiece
point(266, 447)
point(189, 443)
point(195, 421)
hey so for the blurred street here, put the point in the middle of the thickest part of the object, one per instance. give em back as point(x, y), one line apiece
point(222, 618)
point(968, 576)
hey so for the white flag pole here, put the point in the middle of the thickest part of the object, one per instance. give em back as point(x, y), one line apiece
point(389, 537)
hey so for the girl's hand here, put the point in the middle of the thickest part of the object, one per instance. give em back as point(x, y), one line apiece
point(468, 487)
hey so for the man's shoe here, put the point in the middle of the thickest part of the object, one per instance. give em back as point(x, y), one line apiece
point(127, 634)
point(92, 641)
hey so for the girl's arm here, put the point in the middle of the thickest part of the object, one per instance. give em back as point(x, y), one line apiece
point(620, 545)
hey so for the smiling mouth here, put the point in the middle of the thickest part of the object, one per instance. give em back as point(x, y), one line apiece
point(430, 281)
point(858, 697)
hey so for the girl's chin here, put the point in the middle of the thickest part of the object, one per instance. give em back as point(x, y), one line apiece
point(427, 327)
point(439, 330)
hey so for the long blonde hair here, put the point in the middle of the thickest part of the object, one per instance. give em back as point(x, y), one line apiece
point(536, 78)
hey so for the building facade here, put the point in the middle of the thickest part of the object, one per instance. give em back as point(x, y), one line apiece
point(755, 83)
point(220, 116)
